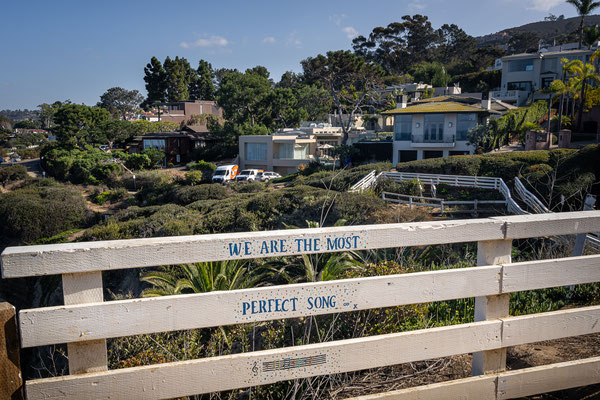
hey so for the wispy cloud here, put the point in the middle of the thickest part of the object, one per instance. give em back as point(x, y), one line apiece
point(350, 32)
point(543, 5)
point(213, 41)
point(417, 5)
point(337, 19)
point(293, 40)
point(269, 39)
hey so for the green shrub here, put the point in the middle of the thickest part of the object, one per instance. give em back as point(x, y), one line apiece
point(202, 166)
point(189, 194)
point(411, 187)
point(138, 161)
point(12, 173)
point(194, 178)
point(146, 179)
point(32, 213)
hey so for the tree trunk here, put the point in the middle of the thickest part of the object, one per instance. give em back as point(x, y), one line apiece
point(581, 31)
point(560, 111)
point(582, 103)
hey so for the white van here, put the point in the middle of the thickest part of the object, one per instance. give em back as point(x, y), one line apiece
point(225, 173)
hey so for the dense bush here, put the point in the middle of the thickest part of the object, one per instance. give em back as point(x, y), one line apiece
point(12, 173)
point(339, 179)
point(194, 178)
point(146, 179)
point(188, 194)
point(202, 166)
point(137, 222)
point(34, 212)
point(412, 187)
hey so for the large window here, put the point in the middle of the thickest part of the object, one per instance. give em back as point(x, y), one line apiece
point(402, 127)
point(256, 151)
point(464, 123)
point(520, 65)
point(292, 151)
point(434, 127)
point(154, 144)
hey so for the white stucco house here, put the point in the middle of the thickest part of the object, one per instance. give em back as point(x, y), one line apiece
point(432, 129)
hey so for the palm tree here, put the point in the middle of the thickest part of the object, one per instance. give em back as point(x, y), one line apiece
point(584, 7)
point(200, 278)
point(582, 75)
point(591, 35)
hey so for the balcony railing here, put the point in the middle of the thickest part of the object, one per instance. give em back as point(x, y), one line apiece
point(430, 139)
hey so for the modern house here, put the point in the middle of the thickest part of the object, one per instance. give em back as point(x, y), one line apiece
point(436, 128)
point(524, 74)
point(284, 151)
point(181, 111)
point(177, 146)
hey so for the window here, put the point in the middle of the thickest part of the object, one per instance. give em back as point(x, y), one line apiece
point(402, 127)
point(434, 127)
point(549, 64)
point(464, 123)
point(300, 151)
point(285, 151)
point(256, 151)
point(154, 144)
point(526, 86)
point(547, 81)
point(520, 65)
point(407, 155)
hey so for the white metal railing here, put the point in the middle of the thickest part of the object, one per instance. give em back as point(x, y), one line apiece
point(364, 183)
point(86, 321)
point(529, 198)
point(482, 182)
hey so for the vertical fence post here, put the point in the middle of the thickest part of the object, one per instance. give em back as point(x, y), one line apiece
point(491, 252)
point(11, 380)
point(89, 356)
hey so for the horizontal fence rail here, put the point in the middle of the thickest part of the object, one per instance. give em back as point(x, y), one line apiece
point(106, 255)
point(82, 322)
point(85, 321)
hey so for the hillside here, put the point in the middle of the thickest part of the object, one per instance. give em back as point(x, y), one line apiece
point(547, 30)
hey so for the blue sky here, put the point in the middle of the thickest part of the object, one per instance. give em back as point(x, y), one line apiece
point(57, 50)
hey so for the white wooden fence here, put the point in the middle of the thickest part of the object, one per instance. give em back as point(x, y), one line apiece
point(436, 202)
point(86, 321)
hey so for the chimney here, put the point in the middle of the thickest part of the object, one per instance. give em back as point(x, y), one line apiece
point(403, 101)
point(486, 100)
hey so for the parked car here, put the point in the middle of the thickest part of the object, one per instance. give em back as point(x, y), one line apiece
point(104, 147)
point(267, 176)
point(248, 175)
point(225, 173)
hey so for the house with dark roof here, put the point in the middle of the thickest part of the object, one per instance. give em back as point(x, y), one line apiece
point(436, 127)
point(177, 146)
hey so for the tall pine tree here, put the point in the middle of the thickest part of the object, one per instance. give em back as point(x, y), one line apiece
point(156, 79)
point(203, 88)
point(179, 76)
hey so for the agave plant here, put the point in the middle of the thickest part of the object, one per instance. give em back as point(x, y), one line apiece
point(199, 278)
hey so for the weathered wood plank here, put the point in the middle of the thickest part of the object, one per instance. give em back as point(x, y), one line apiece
point(511, 384)
point(541, 274)
point(548, 378)
point(11, 381)
point(474, 388)
point(535, 225)
point(74, 323)
point(133, 253)
point(89, 356)
point(259, 368)
point(550, 325)
point(491, 307)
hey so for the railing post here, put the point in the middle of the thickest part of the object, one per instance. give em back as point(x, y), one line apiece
point(11, 380)
point(491, 252)
point(89, 356)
